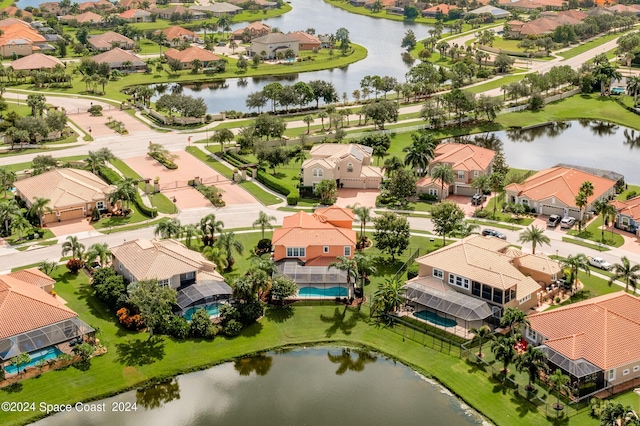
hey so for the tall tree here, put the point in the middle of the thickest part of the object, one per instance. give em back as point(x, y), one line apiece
point(446, 217)
point(391, 234)
point(575, 264)
point(558, 383)
point(99, 252)
point(228, 242)
point(625, 271)
point(169, 228)
point(607, 212)
point(73, 246)
point(514, 319)
point(535, 236)
point(481, 335)
point(389, 297)
point(533, 361)
point(9, 209)
point(153, 301)
point(264, 221)
point(444, 173)
point(503, 347)
point(209, 226)
point(40, 206)
point(348, 265)
point(363, 213)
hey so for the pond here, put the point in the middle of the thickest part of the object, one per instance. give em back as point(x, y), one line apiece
point(319, 386)
point(587, 143)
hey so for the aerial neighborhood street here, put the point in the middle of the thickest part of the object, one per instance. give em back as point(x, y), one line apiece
point(276, 187)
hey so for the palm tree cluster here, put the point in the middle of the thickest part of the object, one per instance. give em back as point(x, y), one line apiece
point(420, 152)
point(535, 236)
point(99, 158)
point(388, 298)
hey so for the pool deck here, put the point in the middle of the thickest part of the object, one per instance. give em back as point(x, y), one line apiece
point(457, 330)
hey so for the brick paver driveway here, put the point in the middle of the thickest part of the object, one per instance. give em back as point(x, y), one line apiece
point(350, 196)
point(73, 226)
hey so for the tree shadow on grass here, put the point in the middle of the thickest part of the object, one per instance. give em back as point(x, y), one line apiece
point(140, 352)
point(82, 365)
point(14, 388)
point(524, 407)
point(475, 367)
point(339, 321)
point(252, 330)
point(278, 314)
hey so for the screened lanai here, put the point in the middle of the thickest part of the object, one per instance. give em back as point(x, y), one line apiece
point(581, 371)
point(43, 337)
point(316, 281)
point(202, 293)
point(435, 302)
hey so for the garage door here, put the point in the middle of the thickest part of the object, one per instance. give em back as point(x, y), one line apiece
point(574, 213)
point(465, 190)
point(71, 214)
point(549, 210)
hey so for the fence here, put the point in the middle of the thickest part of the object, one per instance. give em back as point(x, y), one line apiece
point(174, 185)
point(406, 264)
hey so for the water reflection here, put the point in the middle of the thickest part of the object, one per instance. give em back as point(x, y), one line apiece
point(259, 364)
point(600, 128)
point(347, 363)
point(631, 139)
point(158, 395)
point(486, 140)
point(550, 130)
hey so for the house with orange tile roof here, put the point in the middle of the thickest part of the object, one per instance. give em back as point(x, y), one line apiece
point(134, 4)
point(595, 342)
point(553, 191)
point(36, 61)
point(468, 162)
point(187, 56)
point(628, 216)
point(52, 7)
point(109, 40)
point(547, 22)
point(306, 244)
point(621, 8)
point(251, 31)
point(273, 43)
point(31, 318)
point(306, 41)
point(83, 18)
point(103, 5)
point(529, 5)
point(173, 265)
point(135, 15)
point(72, 193)
point(177, 35)
point(484, 268)
point(438, 10)
point(350, 165)
point(19, 38)
point(12, 10)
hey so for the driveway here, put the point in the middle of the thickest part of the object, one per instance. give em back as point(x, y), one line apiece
point(73, 226)
point(98, 124)
point(464, 202)
point(351, 196)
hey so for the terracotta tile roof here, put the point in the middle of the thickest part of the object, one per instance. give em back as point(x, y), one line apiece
point(83, 18)
point(428, 181)
point(117, 56)
point(106, 40)
point(188, 55)
point(304, 229)
point(15, 29)
point(25, 307)
point(64, 187)
point(178, 32)
point(562, 183)
point(134, 13)
point(620, 8)
point(32, 276)
point(159, 259)
point(305, 38)
point(604, 330)
point(36, 61)
point(481, 259)
point(335, 213)
point(442, 7)
point(463, 156)
point(337, 151)
point(11, 11)
point(100, 4)
point(630, 207)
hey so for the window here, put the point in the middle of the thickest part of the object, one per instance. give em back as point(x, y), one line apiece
point(437, 273)
point(476, 173)
point(611, 375)
point(120, 266)
point(189, 276)
point(525, 202)
point(636, 368)
point(433, 191)
point(476, 288)
point(497, 295)
point(625, 372)
point(460, 174)
point(347, 250)
point(507, 296)
point(325, 249)
point(164, 283)
point(296, 252)
point(318, 172)
point(531, 335)
point(100, 205)
point(524, 299)
point(486, 292)
point(624, 220)
point(459, 281)
point(350, 168)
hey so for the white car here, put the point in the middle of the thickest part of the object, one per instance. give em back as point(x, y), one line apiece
point(599, 262)
point(567, 222)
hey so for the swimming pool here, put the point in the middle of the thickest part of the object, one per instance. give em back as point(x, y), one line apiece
point(436, 319)
point(323, 292)
point(41, 355)
point(213, 311)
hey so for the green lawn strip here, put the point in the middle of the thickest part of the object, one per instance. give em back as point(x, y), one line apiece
point(20, 268)
point(584, 244)
point(630, 192)
point(14, 239)
point(594, 233)
point(124, 168)
point(294, 209)
point(493, 224)
point(593, 286)
point(504, 217)
point(210, 160)
point(575, 51)
point(21, 151)
point(494, 84)
point(110, 222)
point(260, 194)
point(162, 203)
point(138, 225)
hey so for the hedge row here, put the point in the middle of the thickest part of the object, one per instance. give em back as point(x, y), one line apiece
point(164, 161)
point(229, 158)
point(113, 178)
point(292, 194)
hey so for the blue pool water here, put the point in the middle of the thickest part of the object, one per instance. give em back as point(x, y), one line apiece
point(212, 310)
point(323, 292)
point(436, 319)
point(41, 355)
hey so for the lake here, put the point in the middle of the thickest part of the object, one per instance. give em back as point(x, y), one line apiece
point(318, 386)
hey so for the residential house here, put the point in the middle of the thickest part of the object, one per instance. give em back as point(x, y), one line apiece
point(439, 10)
point(261, 4)
point(177, 35)
point(52, 7)
point(13, 10)
point(531, 5)
point(349, 165)
point(20, 39)
point(621, 8)
point(100, 5)
point(181, 10)
point(187, 56)
point(251, 31)
point(548, 22)
point(173, 265)
point(554, 190)
point(135, 15)
point(273, 43)
point(595, 342)
point(109, 40)
point(628, 217)
point(83, 18)
point(36, 61)
point(467, 161)
point(496, 12)
point(218, 9)
point(135, 4)
point(121, 60)
point(72, 193)
point(306, 41)
point(307, 244)
point(486, 269)
point(32, 320)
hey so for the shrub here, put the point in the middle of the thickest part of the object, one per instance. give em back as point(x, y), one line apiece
point(110, 289)
point(250, 311)
point(232, 328)
point(427, 197)
point(169, 164)
point(132, 322)
point(263, 247)
point(293, 198)
point(201, 324)
point(481, 213)
point(631, 194)
point(95, 214)
point(412, 271)
point(95, 110)
point(178, 327)
point(109, 175)
point(84, 350)
point(74, 265)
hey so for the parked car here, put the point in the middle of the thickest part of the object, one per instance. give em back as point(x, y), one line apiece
point(553, 221)
point(478, 199)
point(222, 44)
point(599, 262)
point(567, 222)
point(493, 233)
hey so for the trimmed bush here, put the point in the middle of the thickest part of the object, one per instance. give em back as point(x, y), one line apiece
point(74, 265)
point(109, 175)
point(164, 161)
point(412, 271)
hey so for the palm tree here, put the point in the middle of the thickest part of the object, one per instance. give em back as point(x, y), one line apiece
point(216, 255)
point(533, 361)
point(40, 206)
point(364, 215)
point(481, 184)
point(391, 165)
point(227, 241)
point(464, 229)
point(9, 209)
point(47, 266)
point(264, 221)
point(348, 265)
point(169, 228)
point(208, 228)
point(575, 264)
point(125, 191)
point(514, 318)
point(420, 152)
point(99, 251)
point(364, 268)
point(481, 335)
point(7, 178)
point(322, 115)
point(74, 246)
point(444, 172)
point(558, 383)
point(188, 232)
point(94, 161)
point(535, 236)
point(624, 271)
point(581, 202)
point(308, 120)
point(20, 225)
point(389, 297)
point(607, 211)
point(633, 87)
point(243, 288)
point(503, 347)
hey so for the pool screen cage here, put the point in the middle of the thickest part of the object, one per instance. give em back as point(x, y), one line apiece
point(450, 302)
point(43, 337)
point(319, 277)
point(203, 292)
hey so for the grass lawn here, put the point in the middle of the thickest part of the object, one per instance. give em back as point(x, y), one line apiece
point(108, 222)
point(631, 191)
point(593, 232)
point(507, 44)
point(592, 287)
point(494, 84)
point(158, 200)
point(162, 203)
point(13, 239)
point(260, 194)
point(504, 217)
point(210, 161)
point(575, 51)
point(584, 244)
